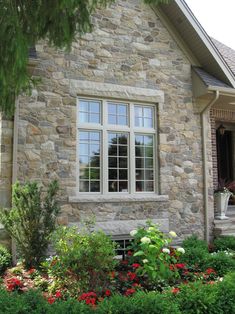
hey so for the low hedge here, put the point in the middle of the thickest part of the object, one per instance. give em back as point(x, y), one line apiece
point(192, 298)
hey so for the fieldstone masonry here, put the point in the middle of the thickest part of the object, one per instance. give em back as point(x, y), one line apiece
point(6, 136)
point(129, 49)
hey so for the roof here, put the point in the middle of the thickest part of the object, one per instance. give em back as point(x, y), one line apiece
point(208, 79)
point(227, 53)
point(186, 26)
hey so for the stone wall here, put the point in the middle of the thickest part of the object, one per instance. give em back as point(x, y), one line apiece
point(6, 136)
point(129, 48)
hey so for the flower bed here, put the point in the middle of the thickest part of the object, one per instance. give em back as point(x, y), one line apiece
point(85, 272)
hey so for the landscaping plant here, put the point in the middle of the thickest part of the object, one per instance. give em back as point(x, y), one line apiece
point(150, 249)
point(5, 259)
point(31, 220)
point(83, 259)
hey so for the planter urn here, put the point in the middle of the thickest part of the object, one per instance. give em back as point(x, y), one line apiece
point(221, 200)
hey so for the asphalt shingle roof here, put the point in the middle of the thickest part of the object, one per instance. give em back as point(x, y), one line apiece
point(208, 79)
point(227, 53)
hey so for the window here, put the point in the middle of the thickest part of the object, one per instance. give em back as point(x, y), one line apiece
point(116, 147)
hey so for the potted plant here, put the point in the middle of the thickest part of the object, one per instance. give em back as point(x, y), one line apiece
point(222, 195)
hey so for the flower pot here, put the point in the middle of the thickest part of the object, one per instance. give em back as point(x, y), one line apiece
point(221, 199)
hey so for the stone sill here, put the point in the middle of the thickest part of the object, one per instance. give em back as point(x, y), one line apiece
point(118, 199)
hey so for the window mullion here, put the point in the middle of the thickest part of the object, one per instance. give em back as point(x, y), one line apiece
point(105, 149)
point(132, 151)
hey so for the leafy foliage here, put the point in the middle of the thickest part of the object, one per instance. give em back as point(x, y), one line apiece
point(31, 219)
point(224, 242)
point(83, 259)
point(24, 23)
point(5, 259)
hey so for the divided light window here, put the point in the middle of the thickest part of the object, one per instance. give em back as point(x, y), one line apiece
point(116, 147)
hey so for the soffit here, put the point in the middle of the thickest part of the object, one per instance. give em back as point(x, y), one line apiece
point(195, 37)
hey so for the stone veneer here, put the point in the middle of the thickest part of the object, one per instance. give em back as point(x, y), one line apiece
point(6, 135)
point(129, 55)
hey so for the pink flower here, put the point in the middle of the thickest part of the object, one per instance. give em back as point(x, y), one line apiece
point(107, 293)
point(135, 265)
point(51, 300)
point(58, 294)
point(129, 291)
point(180, 266)
point(175, 290)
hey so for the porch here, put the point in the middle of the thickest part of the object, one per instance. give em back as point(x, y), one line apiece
point(226, 226)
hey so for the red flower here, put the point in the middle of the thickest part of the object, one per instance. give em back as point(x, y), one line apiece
point(131, 276)
point(129, 291)
point(31, 271)
point(180, 266)
point(58, 294)
point(91, 301)
point(107, 293)
point(87, 295)
point(51, 300)
point(210, 271)
point(135, 265)
point(125, 262)
point(175, 290)
point(129, 253)
point(13, 284)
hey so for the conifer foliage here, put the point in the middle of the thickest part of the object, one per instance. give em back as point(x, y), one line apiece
point(24, 23)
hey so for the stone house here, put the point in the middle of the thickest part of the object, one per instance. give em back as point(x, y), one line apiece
point(127, 122)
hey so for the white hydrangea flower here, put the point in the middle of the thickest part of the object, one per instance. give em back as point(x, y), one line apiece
point(166, 250)
point(145, 240)
point(181, 250)
point(133, 233)
point(151, 229)
point(173, 234)
point(145, 261)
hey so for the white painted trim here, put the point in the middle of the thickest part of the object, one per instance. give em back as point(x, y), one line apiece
point(206, 40)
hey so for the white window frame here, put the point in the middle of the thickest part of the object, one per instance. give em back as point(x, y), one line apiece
point(131, 129)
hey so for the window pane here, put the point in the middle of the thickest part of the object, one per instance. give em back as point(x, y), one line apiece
point(94, 118)
point(149, 186)
point(112, 109)
point(123, 175)
point(95, 161)
point(95, 186)
point(123, 186)
point(121, 120)
point(89, 111)
point(112, 173)
point(83, 106)
point(113, 186)
point(122, 150)
point(95, 107)
point(84, 161)
point(144, 171)
point(118, 173)
point(89, 151)
point(94, 173)
point(144, 116)
point(84, 186)
point(112, 119)
point(113, 162)
point(139, 186)
point(122, 110)
point(148, 112)
point(84, 173)
point(122, 162)
point(83, 117)
point(117, 114)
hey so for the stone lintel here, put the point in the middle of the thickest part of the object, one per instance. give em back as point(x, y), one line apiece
point(122, 228)
point(107, 90)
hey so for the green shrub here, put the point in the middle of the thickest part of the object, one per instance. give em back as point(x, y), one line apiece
point(194, 257)
point(5, 259)
point(224, 243)
point(197, 298)
point(83, 258)
point(31, 220)
point(152, 302)
point(194, 242)
point(221, 262)
point(225, 302)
